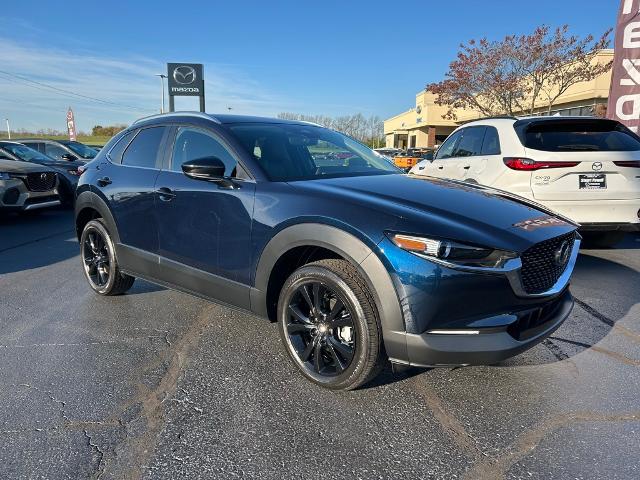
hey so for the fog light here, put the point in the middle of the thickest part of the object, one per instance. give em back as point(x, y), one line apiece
point(11, 196)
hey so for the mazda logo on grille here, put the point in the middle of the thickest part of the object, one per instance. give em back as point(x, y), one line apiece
point(596, 166)
point(43, 177)
point(184, 75)
point(561, 255)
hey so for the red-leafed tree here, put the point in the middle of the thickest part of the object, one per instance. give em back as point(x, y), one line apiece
point(514, 74)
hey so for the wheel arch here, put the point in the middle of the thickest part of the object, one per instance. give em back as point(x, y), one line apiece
point(336, 243)
point(90, 206)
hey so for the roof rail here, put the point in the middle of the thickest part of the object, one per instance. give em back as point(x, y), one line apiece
point(177, 114)
point(495, 117)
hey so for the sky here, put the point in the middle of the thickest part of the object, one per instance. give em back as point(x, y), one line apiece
point(326, 57)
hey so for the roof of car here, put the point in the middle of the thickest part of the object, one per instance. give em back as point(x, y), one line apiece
point(222, 118)
point(532, 118)
point(22, 140)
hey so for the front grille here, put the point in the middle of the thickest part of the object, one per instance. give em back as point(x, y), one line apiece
point(540, 266)
point(40, 182)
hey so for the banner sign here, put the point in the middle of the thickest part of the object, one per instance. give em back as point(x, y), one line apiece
point(624, 95)
point(71, 125)
point(185, 79)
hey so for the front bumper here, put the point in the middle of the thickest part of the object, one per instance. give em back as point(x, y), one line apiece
point(454, 316)
point(15, 197)
point(488, 345)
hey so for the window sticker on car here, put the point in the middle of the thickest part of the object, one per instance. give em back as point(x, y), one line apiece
point(540, 222)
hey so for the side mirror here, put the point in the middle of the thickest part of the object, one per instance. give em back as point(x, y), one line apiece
point(68, 157)
point(205, 168)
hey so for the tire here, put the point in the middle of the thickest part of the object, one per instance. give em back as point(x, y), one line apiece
point(602, 239)
point(337, 349)
point(99, 261)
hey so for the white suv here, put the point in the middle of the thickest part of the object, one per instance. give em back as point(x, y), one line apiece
point(585, 168)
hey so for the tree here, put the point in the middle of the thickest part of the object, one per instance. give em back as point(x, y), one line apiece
point(510, 76)
point(366, 130)
point(109, 131)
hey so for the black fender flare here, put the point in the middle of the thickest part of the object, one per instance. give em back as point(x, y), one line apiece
point(359, 254)
point(89, 199)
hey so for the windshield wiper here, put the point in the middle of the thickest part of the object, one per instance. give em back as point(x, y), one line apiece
point(579, 147)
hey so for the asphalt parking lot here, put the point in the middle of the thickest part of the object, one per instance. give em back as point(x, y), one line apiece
point(158, 384)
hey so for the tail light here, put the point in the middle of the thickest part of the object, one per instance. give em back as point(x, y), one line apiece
point(628, 163)
point(519, 163)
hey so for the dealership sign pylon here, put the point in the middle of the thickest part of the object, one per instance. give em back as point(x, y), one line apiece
point(624, 96)
point(185, 79)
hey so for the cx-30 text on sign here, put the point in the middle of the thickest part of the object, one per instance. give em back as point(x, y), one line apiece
point(185, 79)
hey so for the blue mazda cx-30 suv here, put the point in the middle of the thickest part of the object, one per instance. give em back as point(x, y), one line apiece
point(356, 261)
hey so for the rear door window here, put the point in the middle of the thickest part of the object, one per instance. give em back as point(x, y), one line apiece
point(143, 149)
point(577, 135)
point(491, 143)
point(471, 142)
point(115, 154)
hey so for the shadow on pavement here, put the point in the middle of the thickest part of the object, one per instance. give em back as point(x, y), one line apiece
point(36, 240)
point(608, 283)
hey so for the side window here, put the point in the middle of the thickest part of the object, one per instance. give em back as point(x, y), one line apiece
point(54, 151)
point(143, 149)
point(192, 144)
point(115, 154)
point(471, 142)
point(447, 148)
point(491, 144)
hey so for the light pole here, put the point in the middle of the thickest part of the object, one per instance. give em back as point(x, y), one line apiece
point(162, 77)
point(8, 128)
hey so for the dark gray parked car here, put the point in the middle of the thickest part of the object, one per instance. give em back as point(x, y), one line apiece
point(25, 187)
point(60, 149)
point(68, 171)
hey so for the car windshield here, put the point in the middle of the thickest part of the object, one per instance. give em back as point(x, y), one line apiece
point(25, 153)
point(81, 149)
point(578, 135)
point(289, 152)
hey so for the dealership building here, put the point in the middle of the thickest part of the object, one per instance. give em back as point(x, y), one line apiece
point(424, 126)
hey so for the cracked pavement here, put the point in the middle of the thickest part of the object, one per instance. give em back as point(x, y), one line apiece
point(159, 384)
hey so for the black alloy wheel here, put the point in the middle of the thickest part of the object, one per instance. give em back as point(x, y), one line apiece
point(321, 329)
point(99, 261)
point(329, 325)
point(96, 258)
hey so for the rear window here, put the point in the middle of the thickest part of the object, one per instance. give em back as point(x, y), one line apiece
point(577, 135)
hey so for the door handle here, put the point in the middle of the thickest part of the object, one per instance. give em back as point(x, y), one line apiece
point(467, 167)
point(104, 181)
point(440, 167)
point(165, 194)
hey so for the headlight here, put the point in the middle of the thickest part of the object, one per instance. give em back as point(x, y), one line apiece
point(447, 251)
point(5, 176)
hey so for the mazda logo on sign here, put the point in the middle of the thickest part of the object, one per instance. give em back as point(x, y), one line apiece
point(596, 166)
point(184, 75)
point(561, 255)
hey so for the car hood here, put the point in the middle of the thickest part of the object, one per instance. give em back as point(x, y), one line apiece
point(446, 209)
point(13, 166)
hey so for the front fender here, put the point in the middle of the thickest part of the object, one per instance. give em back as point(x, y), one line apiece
point(352, 249)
